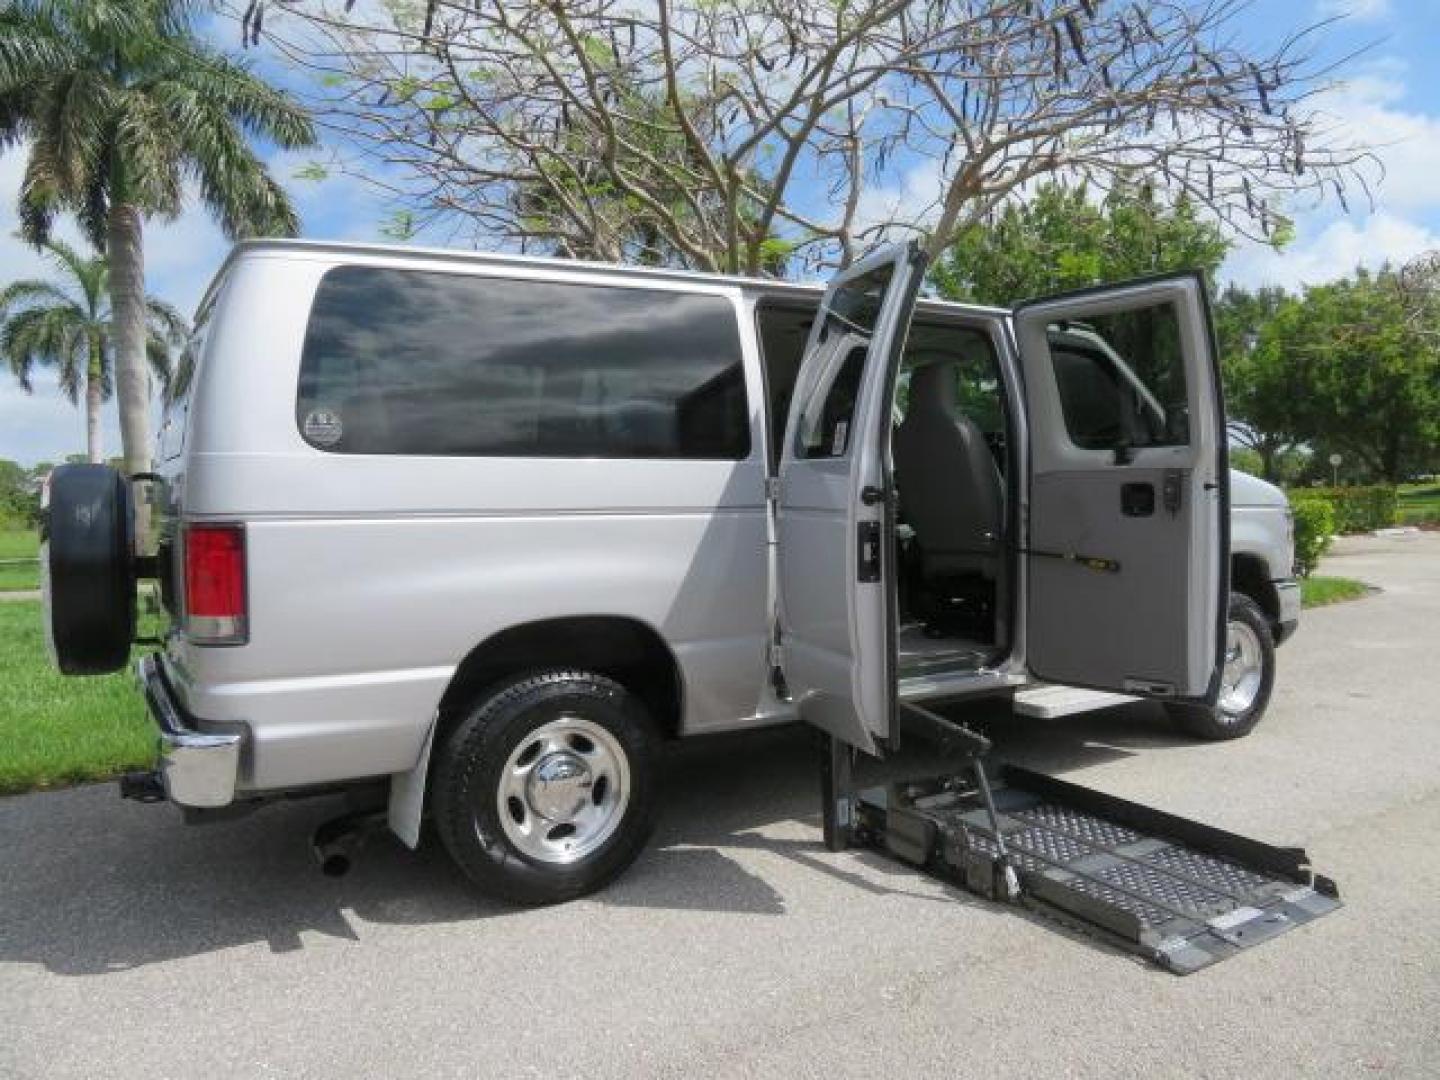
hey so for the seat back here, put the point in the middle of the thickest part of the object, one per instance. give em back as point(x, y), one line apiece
point(950, 489)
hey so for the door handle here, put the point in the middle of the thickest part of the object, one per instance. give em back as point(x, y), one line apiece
point(871, 495)
point(1174, 490)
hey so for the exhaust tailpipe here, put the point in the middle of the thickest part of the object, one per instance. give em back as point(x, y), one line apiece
point(337, 842)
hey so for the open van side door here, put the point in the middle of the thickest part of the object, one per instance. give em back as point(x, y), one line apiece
point(1128, 547)
point(834, 506)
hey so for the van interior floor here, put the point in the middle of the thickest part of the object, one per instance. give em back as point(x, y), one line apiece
point(922, 654)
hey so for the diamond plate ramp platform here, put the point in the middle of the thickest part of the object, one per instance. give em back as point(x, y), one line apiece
point(1180, 893)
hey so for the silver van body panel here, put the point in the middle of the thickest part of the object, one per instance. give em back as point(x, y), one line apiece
point(372, 577)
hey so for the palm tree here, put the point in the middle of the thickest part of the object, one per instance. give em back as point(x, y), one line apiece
point(122, 108)
point(68, 327)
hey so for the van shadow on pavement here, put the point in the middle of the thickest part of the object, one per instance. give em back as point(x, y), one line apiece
point(91, 884)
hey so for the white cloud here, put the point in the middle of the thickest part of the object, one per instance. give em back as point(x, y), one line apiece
point(44, 426)
point(1367, 10)
point(1366, 110)
point(1403, 222)
point(914, 197)
point(1332, 252)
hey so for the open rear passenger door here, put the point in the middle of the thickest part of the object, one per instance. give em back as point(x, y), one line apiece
point(834, 518)
point(1128, 547)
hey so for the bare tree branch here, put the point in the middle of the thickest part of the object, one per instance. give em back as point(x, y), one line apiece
point(768, 136)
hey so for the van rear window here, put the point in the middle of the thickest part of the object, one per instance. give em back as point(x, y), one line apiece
point(414, 362)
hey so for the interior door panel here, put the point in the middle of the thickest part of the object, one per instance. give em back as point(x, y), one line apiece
point(1128, 541)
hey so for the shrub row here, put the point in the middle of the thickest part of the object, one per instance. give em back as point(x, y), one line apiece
point(1357, 509)
point(1314, 530)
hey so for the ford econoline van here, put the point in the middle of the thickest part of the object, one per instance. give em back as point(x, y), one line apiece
point(482, 532)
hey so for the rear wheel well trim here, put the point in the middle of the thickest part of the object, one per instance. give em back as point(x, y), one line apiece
point(598, 643)
point(606, 644)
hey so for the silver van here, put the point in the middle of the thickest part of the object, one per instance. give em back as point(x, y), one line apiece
point(485, 531)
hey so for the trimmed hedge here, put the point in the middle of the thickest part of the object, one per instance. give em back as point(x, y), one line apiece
point(1357, 509)
point(1314, 530)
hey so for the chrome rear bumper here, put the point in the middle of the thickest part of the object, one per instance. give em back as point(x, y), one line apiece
point(197, 768)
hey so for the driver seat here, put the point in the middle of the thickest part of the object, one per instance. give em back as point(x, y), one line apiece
point(950, 487)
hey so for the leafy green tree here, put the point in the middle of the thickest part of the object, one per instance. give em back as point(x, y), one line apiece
point(1359, 372)
point(1062, 238)
point(119, 104)
point(67, 326)
point(15, 494)
point(1259, 395)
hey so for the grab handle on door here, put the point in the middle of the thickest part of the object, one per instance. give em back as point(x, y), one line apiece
point(1137, 499)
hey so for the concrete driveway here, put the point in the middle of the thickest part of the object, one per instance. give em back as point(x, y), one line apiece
point(130, 946)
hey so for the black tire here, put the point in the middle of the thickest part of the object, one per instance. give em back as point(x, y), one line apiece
point(465, 785)
point(1215, 722)
point(88, 569)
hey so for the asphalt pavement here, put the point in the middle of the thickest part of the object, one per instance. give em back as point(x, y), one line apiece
point(131, 946)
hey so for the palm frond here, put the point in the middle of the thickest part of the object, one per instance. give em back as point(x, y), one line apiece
point(44, 337)
point(88, 272)
point(145, 140)
point(20, 295)
point(234, 182)
point(167, 323)
point(34, 46)
point(157, 352)
point(80, 108)
point(259, 109)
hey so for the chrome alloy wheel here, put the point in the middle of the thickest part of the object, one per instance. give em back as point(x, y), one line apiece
point(564, 790)
point(1244, 672)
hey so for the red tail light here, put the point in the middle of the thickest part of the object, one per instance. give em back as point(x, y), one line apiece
point(215, 601)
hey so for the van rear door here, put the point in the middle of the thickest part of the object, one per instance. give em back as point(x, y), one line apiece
point(1128, 544)
point(834, 509)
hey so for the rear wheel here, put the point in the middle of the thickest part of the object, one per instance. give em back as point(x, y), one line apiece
point(547, 789)
point(1245, 683)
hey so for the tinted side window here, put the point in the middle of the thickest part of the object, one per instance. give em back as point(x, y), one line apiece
point(412, 362)
point(825, 426)
point(828, 434)
point(1121, 378)
point(1090, 394)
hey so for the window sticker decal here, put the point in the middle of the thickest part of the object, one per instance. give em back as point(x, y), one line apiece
point(323, 427)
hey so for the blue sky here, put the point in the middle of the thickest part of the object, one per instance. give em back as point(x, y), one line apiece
point(1391, 101)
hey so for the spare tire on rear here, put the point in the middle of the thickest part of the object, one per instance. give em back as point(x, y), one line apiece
point(87, 569)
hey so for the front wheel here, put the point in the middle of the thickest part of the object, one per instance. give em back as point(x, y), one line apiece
point(548, 788)
point(1245, 683)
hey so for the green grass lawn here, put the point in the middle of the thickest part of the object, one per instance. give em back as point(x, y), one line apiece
point(1418, 504)
point(1319, 591)
point(55, 729)
point(19, 543)
point(19, 576)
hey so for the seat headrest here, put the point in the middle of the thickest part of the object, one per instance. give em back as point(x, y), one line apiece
point(933, 386)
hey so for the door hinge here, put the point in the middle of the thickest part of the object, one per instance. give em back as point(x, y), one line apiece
point(868, 551)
